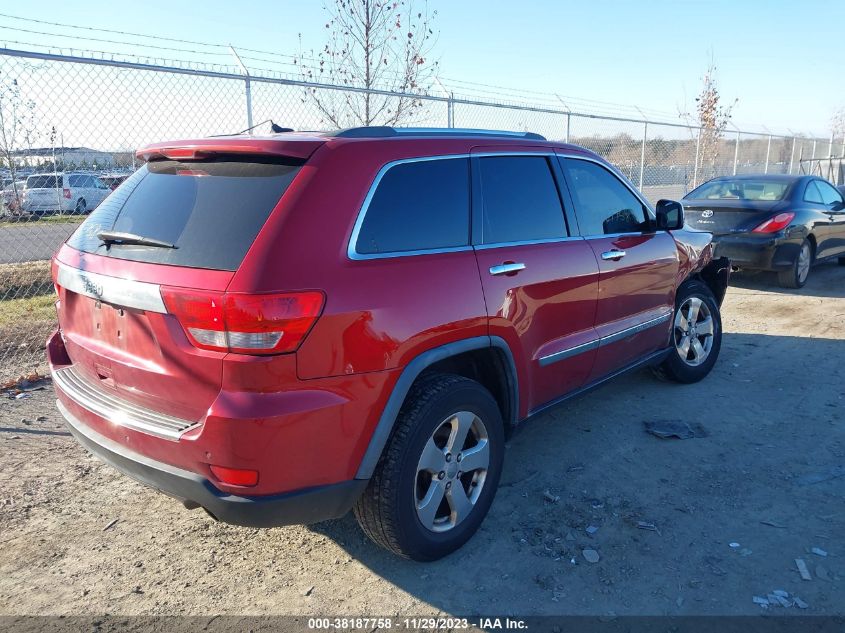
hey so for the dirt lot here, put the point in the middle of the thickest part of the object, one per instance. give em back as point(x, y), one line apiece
point(769, 476)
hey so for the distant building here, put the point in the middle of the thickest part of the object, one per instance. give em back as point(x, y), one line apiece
point(69, 157)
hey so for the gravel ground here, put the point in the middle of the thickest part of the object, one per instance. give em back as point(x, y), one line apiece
point(78, 538)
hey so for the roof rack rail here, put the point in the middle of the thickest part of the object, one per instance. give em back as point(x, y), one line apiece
point(383, 131)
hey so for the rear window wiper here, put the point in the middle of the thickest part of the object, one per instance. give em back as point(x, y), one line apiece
point(118, 237)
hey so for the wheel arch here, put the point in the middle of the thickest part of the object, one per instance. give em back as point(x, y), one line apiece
point(463, 357)
point(716, 275)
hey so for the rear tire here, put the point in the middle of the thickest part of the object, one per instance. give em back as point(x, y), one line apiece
point(696, 335)
point(797, 274)
point(419, 504)
point(81, 207)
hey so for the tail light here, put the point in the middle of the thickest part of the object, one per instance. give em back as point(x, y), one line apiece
point(66, 193)
point(235, 476)
point(244, 323)
point(775, 224)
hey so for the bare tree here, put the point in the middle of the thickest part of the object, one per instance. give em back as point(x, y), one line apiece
point(837, 125)
point(712, 118)
point(372, 44)
point(17, 124)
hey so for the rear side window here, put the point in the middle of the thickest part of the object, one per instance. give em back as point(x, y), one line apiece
point(829, 194)
point(44, 182)
point(520, 200)
point(211, 210)
point(812, 193)
point(603, 204)
point(420, 205)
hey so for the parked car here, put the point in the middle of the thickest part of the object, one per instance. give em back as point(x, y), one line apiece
point(12, 195)
point(76, 193)
point(771, 222)
point(113, 181)
point(280, 329)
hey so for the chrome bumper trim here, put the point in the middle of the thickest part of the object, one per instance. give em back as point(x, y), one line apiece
point(117, 410)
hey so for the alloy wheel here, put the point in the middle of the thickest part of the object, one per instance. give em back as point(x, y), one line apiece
point(693, 331)
point(451, 471)
point(804, 260)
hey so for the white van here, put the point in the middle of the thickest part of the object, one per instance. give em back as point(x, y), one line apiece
point(76, 193)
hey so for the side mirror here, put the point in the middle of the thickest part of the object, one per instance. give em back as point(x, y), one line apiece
point(670, 215)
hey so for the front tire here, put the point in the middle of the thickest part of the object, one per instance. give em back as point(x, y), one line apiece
point(81, 207)
point(438, 475)
point(696, 335)
point(796, 275)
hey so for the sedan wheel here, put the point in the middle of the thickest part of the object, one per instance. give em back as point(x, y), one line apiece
point(796, 275)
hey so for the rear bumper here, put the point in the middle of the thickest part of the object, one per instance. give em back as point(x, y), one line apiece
point(48, 206)
point(298, 507)
point(758, 252)
point(305, 439)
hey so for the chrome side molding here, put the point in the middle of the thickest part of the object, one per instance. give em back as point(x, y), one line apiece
point(604, 340)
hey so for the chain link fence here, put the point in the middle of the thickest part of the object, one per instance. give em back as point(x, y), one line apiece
point(85, 117)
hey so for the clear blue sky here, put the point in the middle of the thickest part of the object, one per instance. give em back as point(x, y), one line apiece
point(784, 61)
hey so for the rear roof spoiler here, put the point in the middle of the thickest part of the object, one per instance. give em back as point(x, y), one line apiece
point(287, 146)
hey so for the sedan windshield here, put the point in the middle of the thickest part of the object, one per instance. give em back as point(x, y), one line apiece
point(740, 190)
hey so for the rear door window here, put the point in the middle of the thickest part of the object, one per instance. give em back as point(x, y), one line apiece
point(603, 204)
point(417, 206)
point(520, 200)
point(43, 182)
point(212, 210)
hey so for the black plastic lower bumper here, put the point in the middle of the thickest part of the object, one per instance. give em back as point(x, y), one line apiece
point(765, 252)
point(310, 505)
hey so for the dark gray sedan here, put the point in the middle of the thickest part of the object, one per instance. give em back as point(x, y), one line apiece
point(771, 222)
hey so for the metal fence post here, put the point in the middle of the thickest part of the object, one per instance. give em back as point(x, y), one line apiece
point(642, 153)
point(568, 121)
point(450, 110)
point(736, 150)
point(247, 87)
point(695, 169)
point(792, 155)
point(768, 151)
point(830, 146)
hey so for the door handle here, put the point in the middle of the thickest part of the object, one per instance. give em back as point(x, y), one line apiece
point(613, 255)
point(507, 269)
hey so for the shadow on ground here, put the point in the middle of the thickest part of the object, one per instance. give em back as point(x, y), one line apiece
point(773, 408)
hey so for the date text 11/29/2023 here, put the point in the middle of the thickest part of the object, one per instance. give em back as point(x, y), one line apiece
point(414, 624)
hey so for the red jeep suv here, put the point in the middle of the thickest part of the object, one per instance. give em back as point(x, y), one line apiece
point(280, 329)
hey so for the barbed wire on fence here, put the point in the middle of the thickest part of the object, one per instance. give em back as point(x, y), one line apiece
point(84, 116)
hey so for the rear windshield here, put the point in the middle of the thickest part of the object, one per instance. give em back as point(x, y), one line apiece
point(44, 182)
point(211, 210)
point(761, 190)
